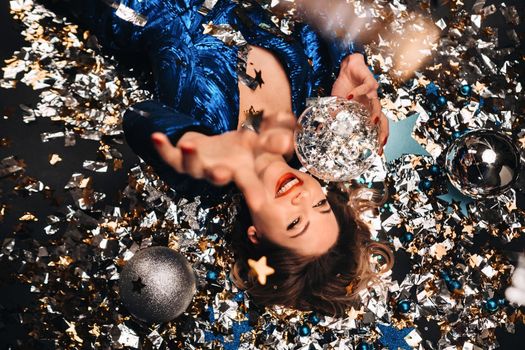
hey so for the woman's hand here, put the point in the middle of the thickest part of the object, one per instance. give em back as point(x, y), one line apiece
point(223, 158)
point(355, 81)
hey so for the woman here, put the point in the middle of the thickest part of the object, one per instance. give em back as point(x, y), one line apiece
point(230, 85)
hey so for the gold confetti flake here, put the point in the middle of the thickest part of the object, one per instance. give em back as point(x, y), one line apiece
point(54, 159)
point(28, 217)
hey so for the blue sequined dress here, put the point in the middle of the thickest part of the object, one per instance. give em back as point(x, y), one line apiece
point(196, 73)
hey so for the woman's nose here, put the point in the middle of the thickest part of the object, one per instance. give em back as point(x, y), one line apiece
point(299, 197)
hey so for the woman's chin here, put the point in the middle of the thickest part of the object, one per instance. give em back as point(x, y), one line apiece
point(272, 173)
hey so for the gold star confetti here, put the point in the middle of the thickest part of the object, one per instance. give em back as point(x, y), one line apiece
point(261, 270)
point(353, 314)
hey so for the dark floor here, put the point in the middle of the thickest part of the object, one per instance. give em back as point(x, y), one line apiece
point(24, 141)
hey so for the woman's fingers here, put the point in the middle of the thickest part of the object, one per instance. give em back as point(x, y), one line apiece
point(183, 158)
point(383, 132)
point(191, 163)
point(284, 120)
point(279, 140)
point(247, 181)
point(170, 154)
point(368, 86)
point(219, 175)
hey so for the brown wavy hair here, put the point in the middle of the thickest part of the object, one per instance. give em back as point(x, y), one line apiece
point(328, 283)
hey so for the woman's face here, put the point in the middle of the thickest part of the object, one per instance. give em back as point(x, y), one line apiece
point(296, 213)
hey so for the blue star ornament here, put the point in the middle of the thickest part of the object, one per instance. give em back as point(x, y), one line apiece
point(400, 140)
point(394, 338)
point(431, 89)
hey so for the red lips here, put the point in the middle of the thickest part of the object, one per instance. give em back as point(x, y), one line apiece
point(286, 178)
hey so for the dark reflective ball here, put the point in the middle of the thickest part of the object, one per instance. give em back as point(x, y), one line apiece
point(445, 276)
point(441, 101)
point(425, 185)
point(365, 346)
point(407, 237)
point(304, 331)
point(465, 90)
point(212, 275)
point(491, 305)
point(482, 163)
point(454, 285)
point(435, 170)
point(314, 318)
point(456, 134)
point(403, 306)
point(157, 284)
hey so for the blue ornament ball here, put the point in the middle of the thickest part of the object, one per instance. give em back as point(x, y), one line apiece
point(304, 331)
point(425, 184)
point(441, 101)
point(435, 170)
point(365, 346)
point(212, 275)
point(239, 297)
point(491, 305)
point(465, 90)
point(407, 237)
point(454, 285)
point(403, 306)
point(445, 276)
point(314, 318)
point(456, 134)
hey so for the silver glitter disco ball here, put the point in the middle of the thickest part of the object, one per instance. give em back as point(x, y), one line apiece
point(157, 284)
point(482, 163)
point(336, 140)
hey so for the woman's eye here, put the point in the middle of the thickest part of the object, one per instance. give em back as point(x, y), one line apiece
point(293, 224)
point(321, 203)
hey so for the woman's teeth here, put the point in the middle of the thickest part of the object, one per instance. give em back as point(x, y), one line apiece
point(287, 185)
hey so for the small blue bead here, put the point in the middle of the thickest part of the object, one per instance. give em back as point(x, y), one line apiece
point(212, 275)
point(465, 90)
point(433, 107)
point(403, 306)
point(435, 170)
point(454, 285)
point(456, 134)
point(502, 302)
point(491, 305)
point(365, 346)
point(425, 185)
point(314, 319)
point(407, 237)
point(239, 297)
point(445, 276)
point(441, 101)
point(304, 331)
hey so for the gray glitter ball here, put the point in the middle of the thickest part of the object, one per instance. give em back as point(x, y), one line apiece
point(336, 140)
point(157, 284)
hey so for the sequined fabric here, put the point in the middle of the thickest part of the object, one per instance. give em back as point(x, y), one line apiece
point(195, 72)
